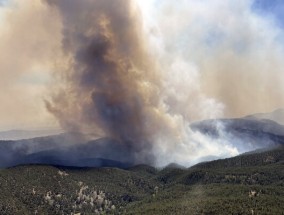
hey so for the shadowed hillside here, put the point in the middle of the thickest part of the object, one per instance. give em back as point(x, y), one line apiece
point(74, 149)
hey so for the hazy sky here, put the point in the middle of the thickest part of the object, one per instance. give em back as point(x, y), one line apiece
point(220, 58)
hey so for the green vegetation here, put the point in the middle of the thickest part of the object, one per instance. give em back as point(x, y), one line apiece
point(246, 184)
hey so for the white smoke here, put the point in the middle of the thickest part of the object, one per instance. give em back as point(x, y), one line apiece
point(217, 59)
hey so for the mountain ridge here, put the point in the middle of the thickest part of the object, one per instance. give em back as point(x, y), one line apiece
point(69, 148)
point(276, 115)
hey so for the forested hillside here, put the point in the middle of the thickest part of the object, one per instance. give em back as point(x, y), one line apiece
point(247, 184)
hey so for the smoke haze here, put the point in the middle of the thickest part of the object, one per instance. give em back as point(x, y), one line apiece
point(141, 72)
point(27, 47)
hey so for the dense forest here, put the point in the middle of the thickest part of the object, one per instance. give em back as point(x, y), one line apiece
point(251, 183)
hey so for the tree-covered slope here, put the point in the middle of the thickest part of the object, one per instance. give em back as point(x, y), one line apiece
point(247, 184)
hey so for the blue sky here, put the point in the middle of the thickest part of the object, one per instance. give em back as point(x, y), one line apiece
point(272, 8)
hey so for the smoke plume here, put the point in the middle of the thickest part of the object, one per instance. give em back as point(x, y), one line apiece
point(111, 86)
point(141, 93)
point(140, 72)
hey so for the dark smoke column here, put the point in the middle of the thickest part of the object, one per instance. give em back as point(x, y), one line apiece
point(110, 83)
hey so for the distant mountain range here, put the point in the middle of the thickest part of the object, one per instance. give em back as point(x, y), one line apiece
point(27, 134)
point(73, 149)
point(246, 134)
point(68, 149)
point(276, 116)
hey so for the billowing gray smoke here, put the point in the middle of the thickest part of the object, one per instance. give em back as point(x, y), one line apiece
point(117, 78)
point(108, 77)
